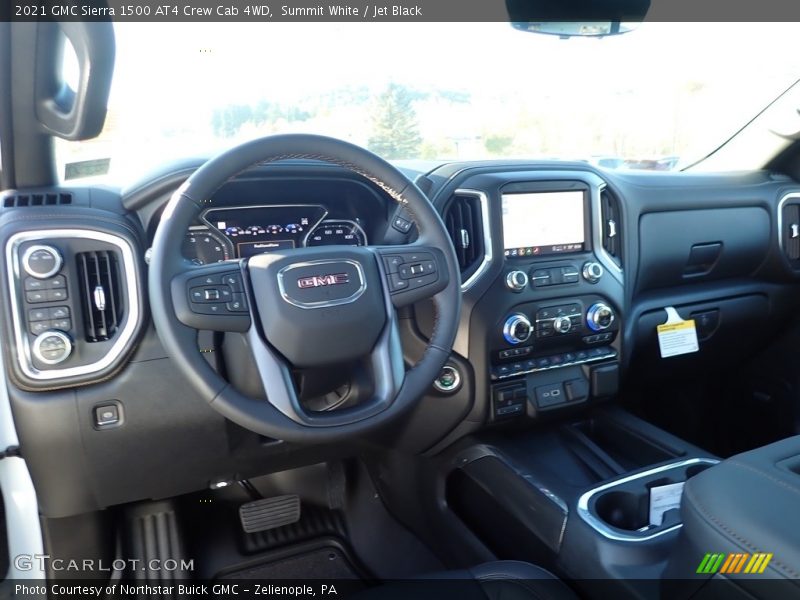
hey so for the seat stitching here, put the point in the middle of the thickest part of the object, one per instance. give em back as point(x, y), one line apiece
point(758, 471)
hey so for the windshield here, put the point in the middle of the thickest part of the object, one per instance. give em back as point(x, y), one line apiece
point(659, 97)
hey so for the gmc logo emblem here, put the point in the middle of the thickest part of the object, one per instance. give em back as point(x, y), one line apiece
point(323, 280)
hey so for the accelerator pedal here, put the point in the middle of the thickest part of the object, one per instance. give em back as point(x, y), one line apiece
point(269, 513)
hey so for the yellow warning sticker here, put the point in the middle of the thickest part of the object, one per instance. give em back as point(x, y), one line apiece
point(676, 336)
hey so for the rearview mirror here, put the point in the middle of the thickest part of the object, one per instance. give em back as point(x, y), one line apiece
point(570, 18)
point(573, 28)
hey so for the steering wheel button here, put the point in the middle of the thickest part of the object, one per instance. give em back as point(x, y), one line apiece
point(396, 284)
point(211, 295)
point(392, 263)
point(233, 281)
point(197, 295)
point(418, 282)
point(405, 271)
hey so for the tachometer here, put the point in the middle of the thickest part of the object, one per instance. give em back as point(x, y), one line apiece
point(203, 247)
point(336, 232)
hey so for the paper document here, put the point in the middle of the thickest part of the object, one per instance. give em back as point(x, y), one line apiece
point(662, 499)
point(676, 336)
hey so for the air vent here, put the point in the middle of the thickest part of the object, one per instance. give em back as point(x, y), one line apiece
point(464, 223)
point(612, 226)
point(790, 233)
point(44, 199)
point(101, 294)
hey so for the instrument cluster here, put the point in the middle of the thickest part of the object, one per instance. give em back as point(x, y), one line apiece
point(244, 231)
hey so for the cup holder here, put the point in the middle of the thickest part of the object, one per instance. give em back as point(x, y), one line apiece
point(621, 509)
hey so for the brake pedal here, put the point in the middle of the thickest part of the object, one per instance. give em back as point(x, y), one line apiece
point(269, 513)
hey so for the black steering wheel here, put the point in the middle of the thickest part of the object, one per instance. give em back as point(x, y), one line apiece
point(306, 307)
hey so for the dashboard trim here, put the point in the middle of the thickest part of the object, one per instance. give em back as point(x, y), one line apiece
point(23, 346)
point(597, 233)
point(488, 250)
point(779, 222)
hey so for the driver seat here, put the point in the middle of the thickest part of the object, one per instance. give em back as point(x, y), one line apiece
point(498, 580)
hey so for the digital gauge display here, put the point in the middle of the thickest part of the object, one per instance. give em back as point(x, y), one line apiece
point(257, 229)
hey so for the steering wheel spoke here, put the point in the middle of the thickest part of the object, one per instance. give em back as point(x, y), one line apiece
point(385, 365)
point(212, 297)
point(413, 272)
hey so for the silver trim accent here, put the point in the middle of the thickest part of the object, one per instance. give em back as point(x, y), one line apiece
point(512, 285)
point(591, 316)
point(26, 256)
point(613, 533)
point(99, 298)
point(488, 251)
point(20, 335)
point(325, 303)
point(592, 271)
point(784, 199)
point(508, 328)
point(37, 347)
point(603, 256)
point(456, 381)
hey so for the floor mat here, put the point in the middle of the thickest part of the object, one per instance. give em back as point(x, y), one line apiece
point(321, 559)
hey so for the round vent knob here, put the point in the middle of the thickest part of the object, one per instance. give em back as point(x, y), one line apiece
point(41, 261)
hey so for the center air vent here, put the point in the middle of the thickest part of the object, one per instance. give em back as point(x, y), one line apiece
point(611, 226)
point(464, 221)
point(44, 199)
point(101, 294)
point(790, 231)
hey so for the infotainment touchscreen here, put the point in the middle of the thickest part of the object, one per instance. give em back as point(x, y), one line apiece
point(539, 223)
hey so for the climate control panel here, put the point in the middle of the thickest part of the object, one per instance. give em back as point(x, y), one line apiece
point(545, 335)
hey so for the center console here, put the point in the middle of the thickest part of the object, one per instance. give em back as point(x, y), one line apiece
point(595, 498)
point(553, 317)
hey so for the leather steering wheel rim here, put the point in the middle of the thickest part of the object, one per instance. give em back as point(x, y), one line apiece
point(180, 340)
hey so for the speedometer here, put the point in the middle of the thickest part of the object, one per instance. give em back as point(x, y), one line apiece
point(337, 233)
point(204, 248)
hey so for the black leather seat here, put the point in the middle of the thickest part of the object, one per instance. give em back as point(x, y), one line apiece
point(500, 580)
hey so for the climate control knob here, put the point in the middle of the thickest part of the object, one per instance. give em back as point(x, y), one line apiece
point(592, 271)
point(41, 261)
point(52, 347)
point(562, 324)
point(517, 281)
point(600, 316)
point(517, 329)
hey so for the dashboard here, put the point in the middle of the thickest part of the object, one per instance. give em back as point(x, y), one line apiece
point(566, 274)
